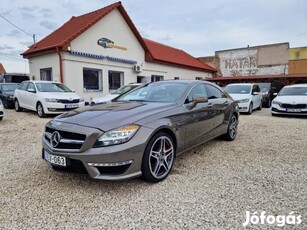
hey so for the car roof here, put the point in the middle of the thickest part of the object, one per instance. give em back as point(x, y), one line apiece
point(39, 81)
point(243, 84)
point(296, 85)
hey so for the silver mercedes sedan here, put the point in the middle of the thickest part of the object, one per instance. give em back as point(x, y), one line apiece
point(140, 133)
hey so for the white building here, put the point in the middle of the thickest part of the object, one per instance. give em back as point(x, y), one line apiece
point(100, 51)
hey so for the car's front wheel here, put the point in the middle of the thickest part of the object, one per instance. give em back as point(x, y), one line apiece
point(17, 106)
point(4, 102)
point(40, 110)
point(158, 158)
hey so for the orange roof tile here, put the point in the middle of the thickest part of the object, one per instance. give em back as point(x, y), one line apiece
point(163, 53)
point(2, 70)
point(154, 51)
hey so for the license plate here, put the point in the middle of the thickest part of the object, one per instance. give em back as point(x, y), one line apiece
point(71, 106)
point(294, 110)
point(57, 160)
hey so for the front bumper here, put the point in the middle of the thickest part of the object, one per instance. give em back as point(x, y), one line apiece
point(116, 162)
point(243, 107)
point(57, 108)
point(276, 109)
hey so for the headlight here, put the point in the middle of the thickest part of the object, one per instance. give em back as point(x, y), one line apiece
point(116, 136)
point(81, 99)
point(243, 101)
point(51, 100)
point(276, 103)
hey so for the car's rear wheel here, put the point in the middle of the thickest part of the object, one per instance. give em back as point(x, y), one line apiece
point(250, 109)
point(40, 110)
point(232, 128)
point(17, 106)
point(260, 106)
point(158, 158)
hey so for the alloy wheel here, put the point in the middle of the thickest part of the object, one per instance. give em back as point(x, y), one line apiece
point(161, 157)
point(233, 126)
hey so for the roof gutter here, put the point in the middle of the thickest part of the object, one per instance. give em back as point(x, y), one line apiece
point(61, 65)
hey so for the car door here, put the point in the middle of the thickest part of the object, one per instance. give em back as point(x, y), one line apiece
point(220, 103)
point(30, 96)
point(20, 94)
point(256, 96)
point(198, 119)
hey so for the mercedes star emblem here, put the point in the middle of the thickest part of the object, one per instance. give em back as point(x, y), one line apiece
point(55, 139)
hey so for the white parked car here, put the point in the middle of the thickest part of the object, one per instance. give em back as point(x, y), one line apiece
point(46, 97)
point(1, 111)
point(291, 100)
point(247, 95)
point(116, 93)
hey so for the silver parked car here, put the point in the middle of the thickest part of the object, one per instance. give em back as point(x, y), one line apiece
point(140, 133)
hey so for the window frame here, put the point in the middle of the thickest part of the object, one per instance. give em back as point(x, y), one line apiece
point(100, 80)
point(43, 70)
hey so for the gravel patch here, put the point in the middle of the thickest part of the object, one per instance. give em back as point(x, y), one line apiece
point(211, 186)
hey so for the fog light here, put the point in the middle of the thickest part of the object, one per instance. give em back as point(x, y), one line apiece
point(110, 164)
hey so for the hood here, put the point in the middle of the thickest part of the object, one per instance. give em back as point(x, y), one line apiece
point(109, 116)
point(291, 99)
point(105, 98)
point(60, 95)
point(238, 97)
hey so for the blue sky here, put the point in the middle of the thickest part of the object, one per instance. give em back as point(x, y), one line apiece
point(199, 27)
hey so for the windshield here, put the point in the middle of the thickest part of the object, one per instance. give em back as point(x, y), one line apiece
point(156, 92)
point(124, 89)
point(238, 89)
point(52, 87)
point(293, 91)
point(264, 87)
point(10, 87)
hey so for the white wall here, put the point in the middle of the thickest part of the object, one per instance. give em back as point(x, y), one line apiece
point(42, 62)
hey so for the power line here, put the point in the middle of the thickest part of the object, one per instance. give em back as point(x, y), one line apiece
point(32, 35)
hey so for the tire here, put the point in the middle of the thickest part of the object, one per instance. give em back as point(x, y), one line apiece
point(4, 102)
point(17, 107)
point(250, 109)
point(158, 158)
point(40, 110)
point(269, 103)
point(260, 106)
point(232, 129)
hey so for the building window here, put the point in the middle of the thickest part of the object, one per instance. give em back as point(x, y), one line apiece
point(46, 74)
point(156, 78)
point(176, 78)
point(198, 78)
point(141, 79)
point(92, 79)
point(116, 80)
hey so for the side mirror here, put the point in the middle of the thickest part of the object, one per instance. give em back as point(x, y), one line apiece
point(31, 91)
point(275, 94)
point(255, 93)
point(198, 98)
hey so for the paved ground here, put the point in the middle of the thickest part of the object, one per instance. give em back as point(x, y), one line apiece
point(211, 187)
